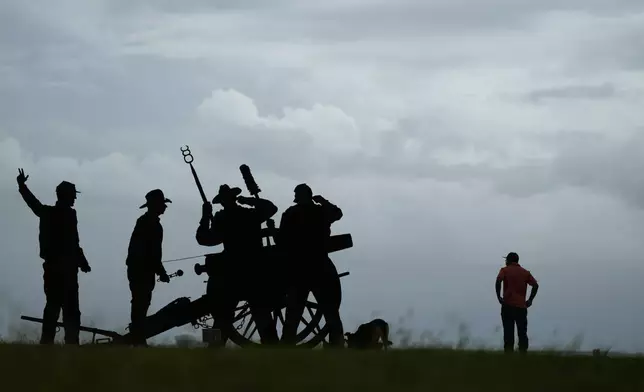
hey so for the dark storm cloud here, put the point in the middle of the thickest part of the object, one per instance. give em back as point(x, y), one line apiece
point(349, 19)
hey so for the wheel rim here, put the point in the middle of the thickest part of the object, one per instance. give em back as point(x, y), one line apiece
point(311, 329)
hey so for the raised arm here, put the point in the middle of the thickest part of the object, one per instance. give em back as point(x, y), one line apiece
point(332, 213)
point(208, 235)
point(29, 198)
point(264, 209)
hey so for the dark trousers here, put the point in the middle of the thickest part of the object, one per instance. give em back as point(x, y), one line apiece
point(141, 286)
point(226, 289)
point(222, 302)
point(510, 317)
point(61, 292)
point(320, 278)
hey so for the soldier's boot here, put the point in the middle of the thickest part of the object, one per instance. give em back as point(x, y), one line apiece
point(48, 334)
point(296, 303)
point(72, 332)
point(140, 304)
point(266, 327)
point(336, 331)
point(50, 318)
point(222, 321)
point(71, 321)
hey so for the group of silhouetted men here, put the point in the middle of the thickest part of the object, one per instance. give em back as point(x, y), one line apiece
point(245, 275)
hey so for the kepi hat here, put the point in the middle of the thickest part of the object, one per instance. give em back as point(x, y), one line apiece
point(66, 186)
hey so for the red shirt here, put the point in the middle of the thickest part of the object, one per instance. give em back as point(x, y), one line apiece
point(515, 284)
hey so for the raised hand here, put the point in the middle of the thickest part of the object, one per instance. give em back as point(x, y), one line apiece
point(319, 199)
point(245, 200)
point(21, 176)
point(206, 209)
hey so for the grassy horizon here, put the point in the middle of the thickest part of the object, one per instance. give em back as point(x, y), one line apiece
point(100, 368)
point(402, 336)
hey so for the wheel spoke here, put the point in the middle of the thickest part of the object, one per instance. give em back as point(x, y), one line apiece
point(311, 329)
point(280, 317)
point(317, 326)
point(253, 332)
point(310, 312)
point(243, 314)
point(250, 322)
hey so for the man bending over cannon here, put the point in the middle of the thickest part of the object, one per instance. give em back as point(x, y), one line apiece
point(239, 230)
point(144, 262)
point(303, 234)
point(62, 255)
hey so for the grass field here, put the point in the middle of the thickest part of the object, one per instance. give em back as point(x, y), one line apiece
point(92, 368)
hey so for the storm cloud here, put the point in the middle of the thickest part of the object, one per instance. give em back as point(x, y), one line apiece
point(449, 132)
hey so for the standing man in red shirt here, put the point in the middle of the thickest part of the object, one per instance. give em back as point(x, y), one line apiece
point(514, 307)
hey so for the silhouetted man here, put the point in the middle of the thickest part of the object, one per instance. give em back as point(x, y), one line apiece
point(63, 256)
point(144, 262)
point(514, 307)
point(304, 232)
point(239, 230)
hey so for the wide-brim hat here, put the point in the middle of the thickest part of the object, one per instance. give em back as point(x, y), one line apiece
point(155, 196)
point(226, 190)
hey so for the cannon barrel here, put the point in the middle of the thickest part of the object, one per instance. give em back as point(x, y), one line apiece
point(177, 313)
point(336, 243)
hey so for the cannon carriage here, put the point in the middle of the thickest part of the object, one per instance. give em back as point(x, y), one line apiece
point(312, 330)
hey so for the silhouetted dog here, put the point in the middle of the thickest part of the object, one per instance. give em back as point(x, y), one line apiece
point(369, 335)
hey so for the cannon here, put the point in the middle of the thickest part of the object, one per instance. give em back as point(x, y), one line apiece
point(182, 311)
point(177, 313)
point(312, 330)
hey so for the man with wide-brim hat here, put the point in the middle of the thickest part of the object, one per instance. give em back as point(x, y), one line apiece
point(144, 262)
point(62, 258)
point(155, 197)
point(239, 275)
point(226, 194)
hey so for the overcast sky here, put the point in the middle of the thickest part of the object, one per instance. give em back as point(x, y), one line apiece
point(449, 132)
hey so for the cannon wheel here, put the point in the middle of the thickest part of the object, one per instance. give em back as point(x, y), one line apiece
point(244, 333)
point(310, 331)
